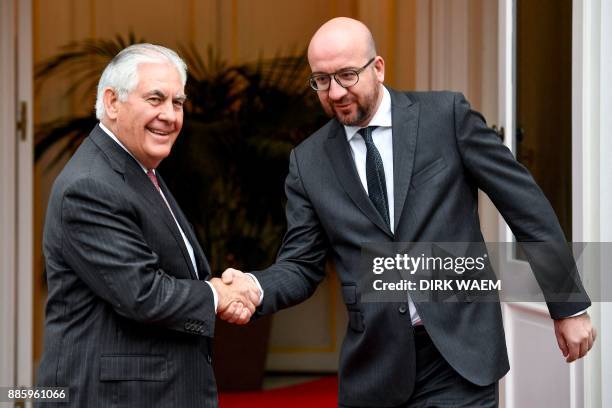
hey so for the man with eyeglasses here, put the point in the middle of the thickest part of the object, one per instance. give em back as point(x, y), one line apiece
point(403, 167)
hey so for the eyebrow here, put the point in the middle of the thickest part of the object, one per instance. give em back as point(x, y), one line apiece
point(330, 73)
point(156, 92)
point(160, 94)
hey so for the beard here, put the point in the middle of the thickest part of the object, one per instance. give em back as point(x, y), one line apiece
point(363, 111)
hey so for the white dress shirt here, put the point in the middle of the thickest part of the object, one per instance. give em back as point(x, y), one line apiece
point(382, 137)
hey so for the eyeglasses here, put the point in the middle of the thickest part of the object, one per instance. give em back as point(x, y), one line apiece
point(345, 78)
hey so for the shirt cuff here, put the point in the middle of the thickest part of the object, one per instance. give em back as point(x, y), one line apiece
point(215, 296)
point(578, 314)
point(258, 287)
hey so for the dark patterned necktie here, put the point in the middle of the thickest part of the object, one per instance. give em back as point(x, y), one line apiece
point(375, 175)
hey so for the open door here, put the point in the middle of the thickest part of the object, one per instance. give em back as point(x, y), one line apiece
point(535, 111)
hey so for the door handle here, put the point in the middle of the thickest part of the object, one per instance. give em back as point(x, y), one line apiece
point(22, 121)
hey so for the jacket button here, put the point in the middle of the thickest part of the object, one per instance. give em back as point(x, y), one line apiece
point(402, 309)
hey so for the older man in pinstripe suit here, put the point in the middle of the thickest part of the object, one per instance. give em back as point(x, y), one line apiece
point(130, 314)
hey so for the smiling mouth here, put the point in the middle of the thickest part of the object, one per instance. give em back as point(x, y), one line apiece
point(158, 132)
point(342, 106)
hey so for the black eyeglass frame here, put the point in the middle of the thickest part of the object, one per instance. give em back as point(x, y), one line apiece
point(333, 75)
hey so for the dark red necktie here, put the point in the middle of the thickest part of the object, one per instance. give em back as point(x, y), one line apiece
point(153, 179)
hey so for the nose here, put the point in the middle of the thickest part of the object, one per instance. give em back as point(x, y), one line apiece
point(336, 92)
point(167, 112)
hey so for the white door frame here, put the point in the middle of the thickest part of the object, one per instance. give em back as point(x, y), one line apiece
point(16, 174)
point(7, 192)
point(25, 198)
point(592, 172)
point(507, 118)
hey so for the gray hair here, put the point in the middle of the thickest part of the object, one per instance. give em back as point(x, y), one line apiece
point(121, 74)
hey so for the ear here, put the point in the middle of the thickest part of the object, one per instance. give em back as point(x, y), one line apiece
point(379, 68)
point(111, 103)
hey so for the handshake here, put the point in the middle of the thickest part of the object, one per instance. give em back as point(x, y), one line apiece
point(239, 296)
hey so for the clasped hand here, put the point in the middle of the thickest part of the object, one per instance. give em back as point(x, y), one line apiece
point(238, 296)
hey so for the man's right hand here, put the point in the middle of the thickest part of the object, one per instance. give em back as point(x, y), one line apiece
point(238, 296)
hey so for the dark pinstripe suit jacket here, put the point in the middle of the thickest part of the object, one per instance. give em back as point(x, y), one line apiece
point(442, 153)
point(127, 322)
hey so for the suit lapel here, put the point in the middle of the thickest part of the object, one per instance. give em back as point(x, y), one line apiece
point(136, 178)
point(338, 151)
point(139, 181)
point(200, 258)
point(405, 119)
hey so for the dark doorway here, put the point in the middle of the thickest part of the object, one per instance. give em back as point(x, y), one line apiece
point(544, 104)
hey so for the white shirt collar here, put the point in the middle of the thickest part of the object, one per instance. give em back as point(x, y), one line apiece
point(382, 117)
point(112, 136)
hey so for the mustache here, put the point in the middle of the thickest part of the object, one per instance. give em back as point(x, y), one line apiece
point(343, 101)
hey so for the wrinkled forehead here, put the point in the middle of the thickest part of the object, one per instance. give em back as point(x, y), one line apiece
point(160, 74)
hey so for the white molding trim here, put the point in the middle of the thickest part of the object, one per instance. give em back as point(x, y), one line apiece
point(507, 88)
point(592, 174)
point(581, 77)
point(506, 80)
point(25, 197)
point(606, 192)
point(7, 192)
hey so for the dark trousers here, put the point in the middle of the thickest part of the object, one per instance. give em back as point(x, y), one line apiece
point(439, 385)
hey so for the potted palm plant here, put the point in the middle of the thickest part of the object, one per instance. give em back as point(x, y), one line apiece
point(226, 170)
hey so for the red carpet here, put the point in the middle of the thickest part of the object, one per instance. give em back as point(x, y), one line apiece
point(322, 393)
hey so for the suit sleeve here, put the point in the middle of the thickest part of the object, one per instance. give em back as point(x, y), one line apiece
point(104, 245)
point(524, 207)
point(300, 264)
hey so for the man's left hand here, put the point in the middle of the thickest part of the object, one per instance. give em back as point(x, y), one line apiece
point(575, 336)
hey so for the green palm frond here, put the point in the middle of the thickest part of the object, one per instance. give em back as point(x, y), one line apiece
point(71, 131)
point(82, 61)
